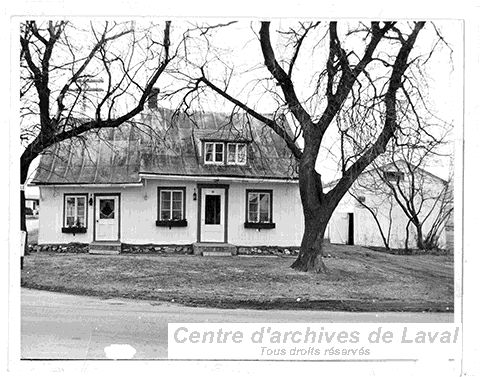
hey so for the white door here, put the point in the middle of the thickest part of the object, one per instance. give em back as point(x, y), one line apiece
point(107, 218)
point(338, 228)
point(212, 226)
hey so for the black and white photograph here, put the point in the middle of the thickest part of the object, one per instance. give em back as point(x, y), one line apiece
point(239, 194)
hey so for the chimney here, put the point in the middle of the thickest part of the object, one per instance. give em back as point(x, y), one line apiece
point(153, 99)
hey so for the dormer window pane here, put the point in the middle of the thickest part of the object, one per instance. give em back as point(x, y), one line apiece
point(218, 152)
point(241, 154)
point(232, 151)
point(208, 152)
point(237, 154)
point(213, 153)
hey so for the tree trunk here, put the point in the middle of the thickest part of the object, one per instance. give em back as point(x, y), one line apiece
point(316, 214)
point(311, 249)
point(407, 238)
point(420, 243)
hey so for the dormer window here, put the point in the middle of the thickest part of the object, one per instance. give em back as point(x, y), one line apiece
point(213, 153)
point(236, 154)
point(224, 152)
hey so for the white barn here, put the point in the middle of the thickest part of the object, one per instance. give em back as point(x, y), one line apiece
point(352, 223)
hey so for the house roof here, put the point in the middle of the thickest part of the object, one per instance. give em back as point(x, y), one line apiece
point(155, 143)
point(392, 165)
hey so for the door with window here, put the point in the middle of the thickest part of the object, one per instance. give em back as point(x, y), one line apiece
point(107, 217)
point(213, 216)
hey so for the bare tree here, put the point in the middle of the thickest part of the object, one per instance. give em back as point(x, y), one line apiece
point(426, 201)
point(59, 62)
point(364, 70)
point(400, 175)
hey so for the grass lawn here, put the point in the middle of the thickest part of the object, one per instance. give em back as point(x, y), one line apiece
point(358, 280)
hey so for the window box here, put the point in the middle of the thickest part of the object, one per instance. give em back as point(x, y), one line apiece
point(172, 223)
point(259, 225)
point(74, 229)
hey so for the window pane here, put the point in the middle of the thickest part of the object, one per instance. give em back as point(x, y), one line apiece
point(80, 211)
point(165, 203)
point(241, 153)
point(177, 206)
point(165, 215)
point(253, 217)
point(253, 207)
point(218, 152)
point(70, 221)
point(264, 208)
point(264, 202)
point(253, 202)
point(165, 206)
point(107, 208)
point(177, 195)
point(212, 209)
point(70, 210)
point(80, 206)
point(176, 214)
point(264, 218)
point(208, 152)
point(166, 196)
point(231, 153)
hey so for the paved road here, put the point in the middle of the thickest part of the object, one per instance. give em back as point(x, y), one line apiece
point(61, 326)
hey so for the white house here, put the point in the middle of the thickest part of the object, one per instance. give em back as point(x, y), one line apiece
point(204, 179)
point(353, 222)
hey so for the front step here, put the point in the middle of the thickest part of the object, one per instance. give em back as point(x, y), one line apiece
point(107, 248)
point(214, 249)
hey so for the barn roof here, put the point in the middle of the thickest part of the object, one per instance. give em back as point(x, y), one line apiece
point(157, 143)
point(394, 166)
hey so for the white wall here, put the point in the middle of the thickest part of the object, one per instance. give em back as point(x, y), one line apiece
point(139, 212)
point(287, 216)
point(51, 217)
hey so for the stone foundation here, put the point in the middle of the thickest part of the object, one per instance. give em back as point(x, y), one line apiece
point(163, 249)
point(157, 249)
point(73, 247)
point(267, 250)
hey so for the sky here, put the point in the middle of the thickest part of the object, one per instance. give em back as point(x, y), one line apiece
point(237, 47)
point(241, 49)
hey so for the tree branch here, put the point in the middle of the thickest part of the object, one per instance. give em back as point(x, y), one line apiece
point(282, 77)
point(279, 130)
point(378, 147)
